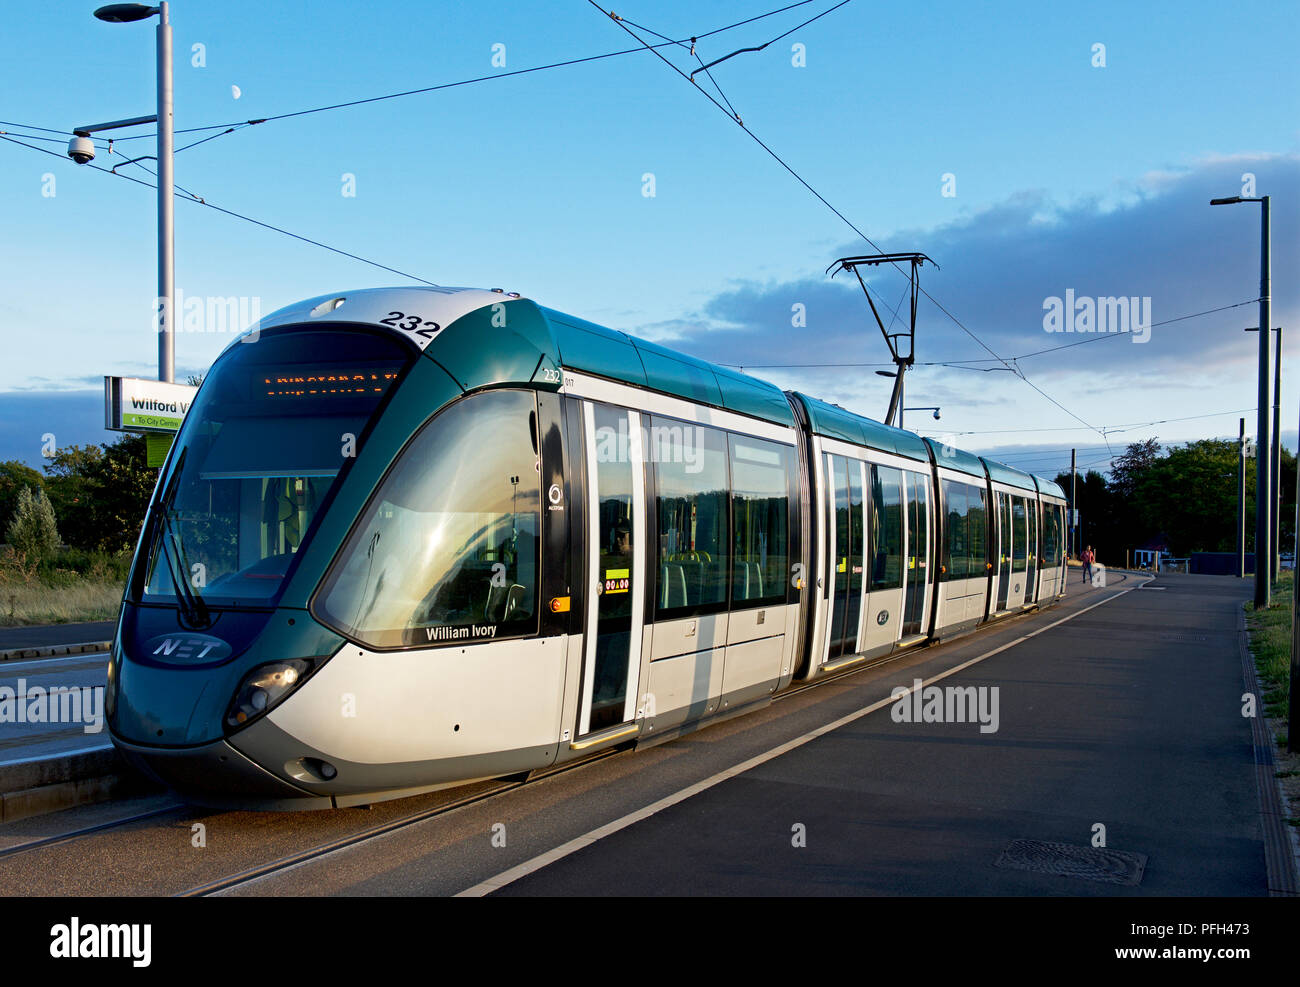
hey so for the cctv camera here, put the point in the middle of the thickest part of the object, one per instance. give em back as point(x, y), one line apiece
point(936, 414)
point(81, 150)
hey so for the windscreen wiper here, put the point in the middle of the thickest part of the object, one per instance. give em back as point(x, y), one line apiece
point(193, 610)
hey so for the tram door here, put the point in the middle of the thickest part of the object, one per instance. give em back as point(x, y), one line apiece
point(917, 579)
point(1031, 573)
point(1004, 547)
point(1019, 551)
point(886, 537)
point(615, 567)
point(846, 549)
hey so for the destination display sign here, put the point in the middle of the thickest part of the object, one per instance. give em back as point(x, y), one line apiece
point(132, 404)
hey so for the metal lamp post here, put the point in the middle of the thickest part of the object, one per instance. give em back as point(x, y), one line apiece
point(122, 13)
point(1263, 488)
point(1275, 497)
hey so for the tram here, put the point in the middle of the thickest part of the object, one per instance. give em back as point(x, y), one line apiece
point(409, 538)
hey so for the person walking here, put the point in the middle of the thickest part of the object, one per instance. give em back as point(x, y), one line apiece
point(1087, 558)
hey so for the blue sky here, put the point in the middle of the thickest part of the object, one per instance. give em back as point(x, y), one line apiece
point(1067, 175)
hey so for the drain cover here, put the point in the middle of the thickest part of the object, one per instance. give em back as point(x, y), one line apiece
point(1064, 860)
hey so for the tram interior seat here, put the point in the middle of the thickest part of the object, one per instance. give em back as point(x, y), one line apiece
point(693, 573)
point(505, 603)
point(748, 581)
point(672, 585)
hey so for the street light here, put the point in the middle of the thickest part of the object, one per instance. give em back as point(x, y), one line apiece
point(1263, 509)
point(125, 13)
point(1275, 499)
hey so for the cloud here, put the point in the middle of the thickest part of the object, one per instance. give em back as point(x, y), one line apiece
point(72, 417)
point(1155, 238)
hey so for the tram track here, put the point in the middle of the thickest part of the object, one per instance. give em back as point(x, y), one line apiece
point(393, 825)
point(72, 836)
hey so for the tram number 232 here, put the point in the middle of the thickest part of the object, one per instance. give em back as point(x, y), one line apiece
point(411, 323)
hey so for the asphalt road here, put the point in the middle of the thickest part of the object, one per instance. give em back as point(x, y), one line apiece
point(47, 635)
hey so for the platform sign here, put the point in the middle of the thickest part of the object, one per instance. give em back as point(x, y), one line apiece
point(135, 405)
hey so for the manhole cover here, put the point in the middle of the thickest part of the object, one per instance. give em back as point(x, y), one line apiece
point(1064, 860)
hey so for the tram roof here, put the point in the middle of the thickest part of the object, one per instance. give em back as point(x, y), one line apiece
point(591, 348)
point(999, 473)
point(950, 457)
point(1049, 487)
point(835, 422)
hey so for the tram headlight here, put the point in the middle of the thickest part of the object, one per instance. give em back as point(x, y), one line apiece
point(263, 687)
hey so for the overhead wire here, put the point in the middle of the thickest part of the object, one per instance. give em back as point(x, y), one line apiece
point(473, 81)
point(190, 197)
point(799, 178)
point(961, 364)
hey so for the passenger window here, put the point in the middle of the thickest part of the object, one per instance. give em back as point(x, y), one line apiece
point(691, 490)
point(446, 552)
point(1021, 539)
point(978, 522)
point(956, 546)
point(886, 528)
point(760, 504)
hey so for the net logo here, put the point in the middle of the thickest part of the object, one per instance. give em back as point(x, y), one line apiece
point(75, 941)
point(186, 649)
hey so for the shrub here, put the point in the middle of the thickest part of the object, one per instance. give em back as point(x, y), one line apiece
point(14, 476)
point(33, 531)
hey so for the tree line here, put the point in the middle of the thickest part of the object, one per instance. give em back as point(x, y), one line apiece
point(1183, 499)
point(96, 496)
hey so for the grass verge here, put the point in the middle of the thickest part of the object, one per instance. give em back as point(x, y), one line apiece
point(38, 603)
point(1270, 647)
point(69, 586)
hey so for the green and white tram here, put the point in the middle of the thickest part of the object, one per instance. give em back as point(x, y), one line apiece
point(413, 537)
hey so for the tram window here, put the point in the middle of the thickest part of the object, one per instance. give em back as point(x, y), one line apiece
point(760, 504)
point(954, 529)
point(447, 549)
point(691, 490)
point(1051, 535)
point(965, 530)
point(1021, 538)
point(956, 532)
point(978, 520)
point(257, 457)
point(886, 528)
